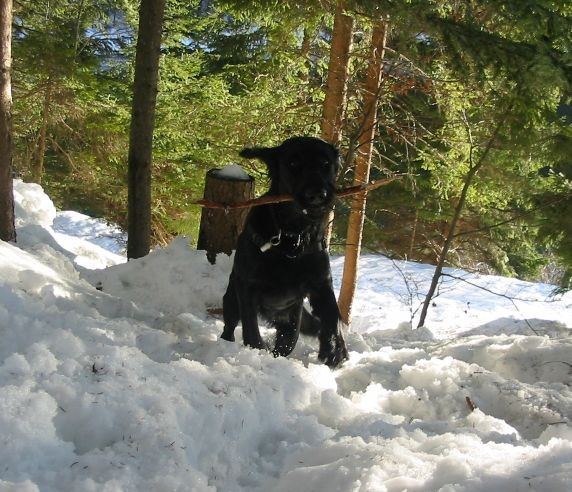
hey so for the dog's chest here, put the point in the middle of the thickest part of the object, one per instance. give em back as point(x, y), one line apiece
point(284, 274)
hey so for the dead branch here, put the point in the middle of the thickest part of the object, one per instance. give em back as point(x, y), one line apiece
point(264, 200)
point(499, 294)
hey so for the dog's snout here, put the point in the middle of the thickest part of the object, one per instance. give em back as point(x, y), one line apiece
point(316, 196)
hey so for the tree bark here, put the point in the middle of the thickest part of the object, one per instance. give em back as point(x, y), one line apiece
point(362, 168)
point(219, 229)
point(337, 80)
point(142, 124)
point(336, 85)
point(7, 226)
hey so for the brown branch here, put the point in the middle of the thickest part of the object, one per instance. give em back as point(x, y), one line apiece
point(470, 403)
point(264, 200)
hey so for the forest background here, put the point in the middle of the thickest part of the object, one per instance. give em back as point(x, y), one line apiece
point(464, 84)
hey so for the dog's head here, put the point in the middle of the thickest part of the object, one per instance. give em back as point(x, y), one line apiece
point(304, 167)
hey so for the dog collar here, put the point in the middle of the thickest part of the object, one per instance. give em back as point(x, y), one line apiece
point(274, 241)
point(292, 245)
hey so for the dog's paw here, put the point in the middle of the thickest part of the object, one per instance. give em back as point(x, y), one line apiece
point(258, 344)
point(333, 351)
point(228, 336)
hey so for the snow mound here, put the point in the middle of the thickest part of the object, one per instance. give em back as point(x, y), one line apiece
point(174, 279)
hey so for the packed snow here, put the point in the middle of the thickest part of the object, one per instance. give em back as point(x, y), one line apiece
point(112, 377)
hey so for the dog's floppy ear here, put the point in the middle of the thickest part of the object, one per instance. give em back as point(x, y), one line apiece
point(268, 155)
point(265, 154)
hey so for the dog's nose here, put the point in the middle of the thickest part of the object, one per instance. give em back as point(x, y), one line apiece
point(315, 196)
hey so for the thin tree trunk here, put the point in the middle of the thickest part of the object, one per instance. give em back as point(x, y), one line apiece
point(413, 234)
point(142, 124)
point(469, 178)
point(7, 226)
point(336, 85)
point(362, 167)
point(38, 166)
point(447, 244)
point(304, 53)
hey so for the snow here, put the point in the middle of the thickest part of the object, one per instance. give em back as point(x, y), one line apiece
point(112, 377)
point(233, 172)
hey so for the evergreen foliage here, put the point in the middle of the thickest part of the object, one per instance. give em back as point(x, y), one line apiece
point(237, 73)
point(452, 76)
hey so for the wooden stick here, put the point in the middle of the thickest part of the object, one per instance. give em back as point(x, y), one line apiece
point(263, 200)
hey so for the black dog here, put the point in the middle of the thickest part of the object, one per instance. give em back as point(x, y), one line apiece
point(281, 256)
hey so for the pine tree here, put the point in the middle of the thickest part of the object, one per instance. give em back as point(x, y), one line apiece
point(142, 125)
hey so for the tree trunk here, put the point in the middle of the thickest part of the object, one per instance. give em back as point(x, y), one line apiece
point(38, 166)
point(337, 81)
point(336, 84)
point(446, 246)
point(362, 167)
point(142, 123)
point(7, 226)
point(219, 229)
point(413, 234)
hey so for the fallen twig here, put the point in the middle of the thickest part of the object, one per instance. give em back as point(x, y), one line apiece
point(557, 362)
point(214, 311)
point(470, 403)
point(263, 200)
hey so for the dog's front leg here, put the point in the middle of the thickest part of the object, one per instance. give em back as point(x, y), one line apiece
point(230, 309)
point(287, 330)
point(248, 305)
point(333, 349)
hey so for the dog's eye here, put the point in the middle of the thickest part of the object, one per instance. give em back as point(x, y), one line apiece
point(294, 163)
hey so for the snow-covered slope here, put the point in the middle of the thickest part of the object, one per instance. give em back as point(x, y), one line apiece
point(115, 380)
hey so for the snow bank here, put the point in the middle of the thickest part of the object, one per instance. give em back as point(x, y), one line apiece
point(32, 205)
point(94, 244)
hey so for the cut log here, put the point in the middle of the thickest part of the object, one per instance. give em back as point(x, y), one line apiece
point(220, 228)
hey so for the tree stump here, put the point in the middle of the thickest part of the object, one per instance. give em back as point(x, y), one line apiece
point(219, 229)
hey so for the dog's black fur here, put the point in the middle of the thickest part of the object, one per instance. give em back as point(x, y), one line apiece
point(281, 256)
